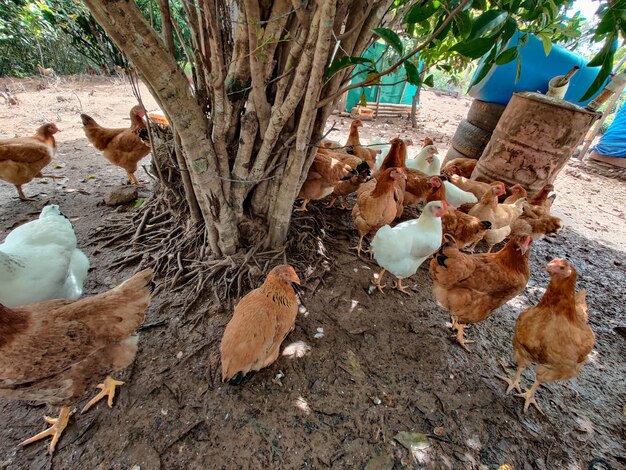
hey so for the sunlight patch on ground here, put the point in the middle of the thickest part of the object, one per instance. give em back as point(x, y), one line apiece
point(302, 404)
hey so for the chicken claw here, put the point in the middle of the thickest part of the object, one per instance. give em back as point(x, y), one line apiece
point(514, 383)
point(460, 338)
point(107, 390)
point(529, 396)
point(359, 247)
point(378, 279)
point(303, 208)
point(398, 285)
point(58, 426)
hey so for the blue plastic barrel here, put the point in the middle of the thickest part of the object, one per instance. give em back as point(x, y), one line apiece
point(537, 70)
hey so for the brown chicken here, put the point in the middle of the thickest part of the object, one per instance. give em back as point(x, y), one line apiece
point(377, 203)
point(539, 224)
point(123, 147)
point(517, 192)
point(347, 187)
point(52, 352)
point(554, 333)
point(354, 146)
point(324, 174)
point(23, 158)
point(261, 321)
point(501, 216)
point(470, 287)
point(460, 167)
point(395, 158)
point(427, 141)
point(477, 188)
point(541, 198)
point(351, 160)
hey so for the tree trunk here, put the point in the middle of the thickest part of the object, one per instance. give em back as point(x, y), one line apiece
point(250, 122)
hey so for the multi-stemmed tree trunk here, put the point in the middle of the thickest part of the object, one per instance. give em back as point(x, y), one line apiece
point(250, 122)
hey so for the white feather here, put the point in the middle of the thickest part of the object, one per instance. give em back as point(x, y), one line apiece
point(402, 249)
point(456, 196)
point(39, 261)
point(420, 163)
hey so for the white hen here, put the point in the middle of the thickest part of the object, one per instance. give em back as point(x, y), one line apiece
point(402, 249)
point(39, 261)
point(426, 161)
point(457, 197)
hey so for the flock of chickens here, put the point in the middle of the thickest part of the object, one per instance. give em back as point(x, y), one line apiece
point(52, 351)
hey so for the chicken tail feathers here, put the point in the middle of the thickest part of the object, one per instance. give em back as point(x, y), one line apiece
point(236, 379)
point(88, 120)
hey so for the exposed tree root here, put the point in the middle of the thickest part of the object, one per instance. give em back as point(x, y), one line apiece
point(155, 237)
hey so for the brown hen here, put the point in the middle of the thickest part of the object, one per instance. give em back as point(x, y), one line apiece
point(52, 352)
point(124, 147)
point(23, 158)
point(261, 321)
point(554, 333)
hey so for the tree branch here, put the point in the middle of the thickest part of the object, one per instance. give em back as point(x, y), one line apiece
point(415, 51)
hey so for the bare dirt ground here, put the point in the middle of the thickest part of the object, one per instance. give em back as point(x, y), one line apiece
point(386, 363)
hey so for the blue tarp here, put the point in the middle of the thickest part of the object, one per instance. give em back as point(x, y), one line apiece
point(613, 142)
point(537, 70)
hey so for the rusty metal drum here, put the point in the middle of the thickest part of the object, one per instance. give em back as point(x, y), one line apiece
point(533, 140)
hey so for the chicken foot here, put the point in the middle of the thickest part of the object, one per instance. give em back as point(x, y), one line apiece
point(21, 194)
point(398, 286)
point(460, 335)
point(514, 383)
point(107, 389)
point(132, 179)
point(57, 427)
point(378, 279)
point(529, 397)
point(303, 208)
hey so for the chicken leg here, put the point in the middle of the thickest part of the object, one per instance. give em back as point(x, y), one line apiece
point(529, 396)
point(398, 285)
point(58, 426)
point(460, 338)
point(359, 246)
point(303, 208)
point(132, 179)
point(514, 382)
point(21, 194)
point(107, 389)
point(378, 279)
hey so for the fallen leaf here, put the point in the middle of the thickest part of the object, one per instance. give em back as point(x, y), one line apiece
point(412, 440)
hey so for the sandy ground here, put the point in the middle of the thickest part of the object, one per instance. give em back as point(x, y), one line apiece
point(386, 364)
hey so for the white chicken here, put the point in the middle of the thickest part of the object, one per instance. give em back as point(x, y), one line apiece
point(456, 197)
point(39, 261)
point(426, 161)
point(402, 249)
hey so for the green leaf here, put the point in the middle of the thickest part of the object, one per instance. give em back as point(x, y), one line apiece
point(547, 44)
point(507, 56)
point(363, 100)
point(344, 62)
point(419, 12)
point(487, 22)
point(139, 202)
point(473, 49)
point(482, 73)
point(508, 30)
point(518, 71)
point(463, 22)
point(429, 81)
point(608, 50)
point(412, 75)
point(391, 38)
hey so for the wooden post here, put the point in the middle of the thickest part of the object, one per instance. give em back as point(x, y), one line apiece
point(593, 132)
point(378, 93)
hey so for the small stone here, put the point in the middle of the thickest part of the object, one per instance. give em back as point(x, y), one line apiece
point(121, 195)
